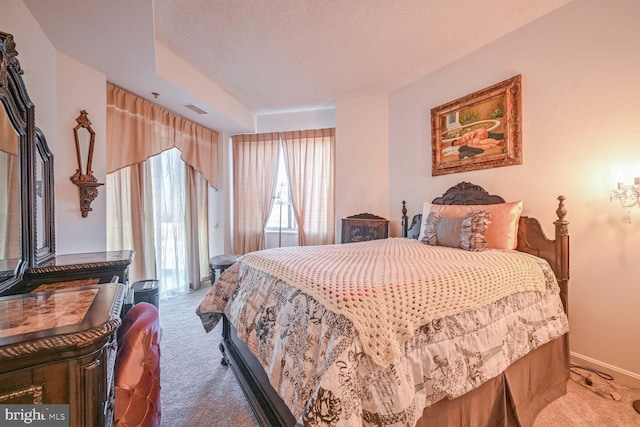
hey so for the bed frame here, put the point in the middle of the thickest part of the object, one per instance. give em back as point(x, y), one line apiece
point(271, 411)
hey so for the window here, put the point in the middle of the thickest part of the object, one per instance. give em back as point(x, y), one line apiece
point(170, 235)
point(282, 217)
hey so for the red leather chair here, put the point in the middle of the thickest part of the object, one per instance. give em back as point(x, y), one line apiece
point(137, 370)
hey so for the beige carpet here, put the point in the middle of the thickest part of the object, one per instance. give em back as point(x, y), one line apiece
point(198, 391)
point(583, 407)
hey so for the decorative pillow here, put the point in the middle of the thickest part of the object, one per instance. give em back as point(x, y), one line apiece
point(431, 228)
point(448, 231)
point(466, 232)
point(502, 233)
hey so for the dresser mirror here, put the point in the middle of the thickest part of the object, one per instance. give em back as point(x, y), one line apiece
point(10, 236)
point(27, 235)
point(43, 207)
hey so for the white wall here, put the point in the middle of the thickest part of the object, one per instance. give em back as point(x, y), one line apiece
point(362, 146)
point(38, 61)
point(283, 122)
point(361, 153)
point(37, 58)
point(580, 68)
point(59, 87)
point(80, 88)
point(297, 120)
point(220, 202)
point(362, 150)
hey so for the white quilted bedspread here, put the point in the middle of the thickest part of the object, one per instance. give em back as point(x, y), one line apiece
point(299, 326)
point(389, 288)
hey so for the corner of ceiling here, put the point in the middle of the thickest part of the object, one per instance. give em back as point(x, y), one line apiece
point(206, 93)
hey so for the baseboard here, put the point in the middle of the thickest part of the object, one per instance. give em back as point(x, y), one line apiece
point(628, 378)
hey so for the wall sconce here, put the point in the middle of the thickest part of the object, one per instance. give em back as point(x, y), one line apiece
point(83, 178)
point(628, 195)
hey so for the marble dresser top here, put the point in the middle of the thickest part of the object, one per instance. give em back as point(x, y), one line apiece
point(44, 310)
point(44, 327)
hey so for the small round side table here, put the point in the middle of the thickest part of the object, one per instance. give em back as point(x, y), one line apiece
point(221, 263)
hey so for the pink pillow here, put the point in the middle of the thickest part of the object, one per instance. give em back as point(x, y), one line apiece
point(502, 233)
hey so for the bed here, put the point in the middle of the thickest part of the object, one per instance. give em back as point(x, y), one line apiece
point(358, 334)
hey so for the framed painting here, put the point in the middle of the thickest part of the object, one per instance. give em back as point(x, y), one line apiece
point(481, 130)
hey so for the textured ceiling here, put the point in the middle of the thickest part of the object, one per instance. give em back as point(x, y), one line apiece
point(276, 55)
point(284, 54)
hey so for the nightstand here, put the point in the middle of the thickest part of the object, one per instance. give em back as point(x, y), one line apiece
point(221, 263)
point(364, 226)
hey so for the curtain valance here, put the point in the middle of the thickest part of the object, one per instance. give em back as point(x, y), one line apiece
point(308, 135)
point(138, 129)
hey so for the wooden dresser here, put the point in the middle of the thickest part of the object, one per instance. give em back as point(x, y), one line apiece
point(57, 324)
point(364, 226)
point(59, 347)
point(73, 270)
point(98, 267)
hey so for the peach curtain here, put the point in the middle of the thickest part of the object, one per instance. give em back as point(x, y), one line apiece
point(255, 169)
point(310, 162)
point(138, 129)
point(130, 218)
point(197, 195)
point(10, 191)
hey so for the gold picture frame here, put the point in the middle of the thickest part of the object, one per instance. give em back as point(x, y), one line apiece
point(478, 131)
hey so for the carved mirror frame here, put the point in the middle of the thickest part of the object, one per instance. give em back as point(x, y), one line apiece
point(37, 233)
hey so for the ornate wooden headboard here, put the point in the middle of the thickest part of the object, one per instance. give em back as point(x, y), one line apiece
point(531, 237)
